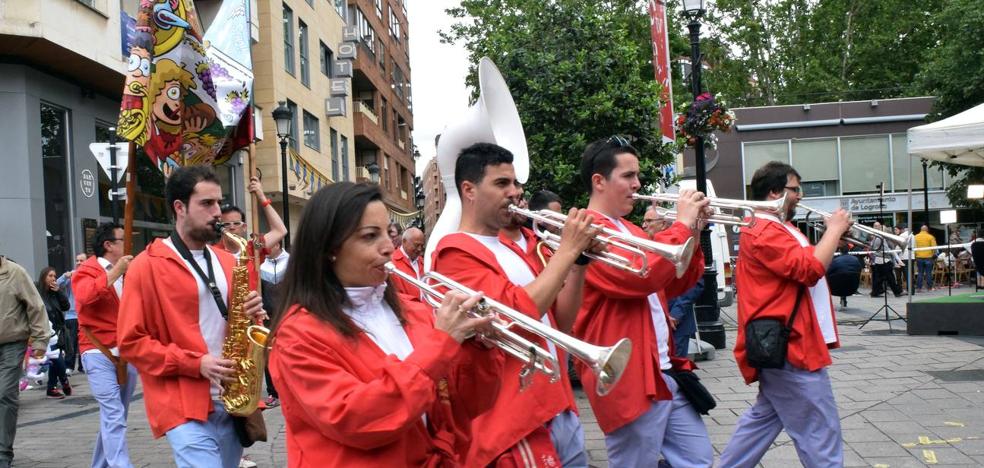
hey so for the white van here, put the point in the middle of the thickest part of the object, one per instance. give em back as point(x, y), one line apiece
point(721, 247)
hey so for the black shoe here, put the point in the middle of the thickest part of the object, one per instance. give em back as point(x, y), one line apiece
point(876, 295)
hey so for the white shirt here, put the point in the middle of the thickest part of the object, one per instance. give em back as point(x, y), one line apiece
point(660, 328)
point(415, 263)
point(374, 316)
point(517, 271)
point(272, 270)
point(210, 321)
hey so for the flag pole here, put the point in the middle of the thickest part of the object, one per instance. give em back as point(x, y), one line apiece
point(131, 192)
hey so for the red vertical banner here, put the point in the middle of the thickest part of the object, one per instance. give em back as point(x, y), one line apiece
point(661, 64)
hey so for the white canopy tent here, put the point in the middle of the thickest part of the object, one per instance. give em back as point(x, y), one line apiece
point(957, 140)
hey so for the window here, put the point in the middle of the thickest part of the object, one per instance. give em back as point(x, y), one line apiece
point(311, 131)
point(334, 155)
point(288, 40)
point(757, 154)
point(394, 25)
point(864, 163)
point(345, 158)
point(302, 37)
point(366, 32)
point(293, 124)
point(382, 112)
point(327, 58)
point(386, 172)
point(381, 52)
point(379, 8)
point(900, 155)
point(341, 7)
point(816, 162)
point(398, 81)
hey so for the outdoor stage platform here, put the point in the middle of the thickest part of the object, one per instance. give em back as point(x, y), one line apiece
point(961, 314)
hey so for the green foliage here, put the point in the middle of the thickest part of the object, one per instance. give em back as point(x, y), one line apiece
point(579, 70)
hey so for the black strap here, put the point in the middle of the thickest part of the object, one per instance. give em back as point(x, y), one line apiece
point(210, 279)
point(799, 295)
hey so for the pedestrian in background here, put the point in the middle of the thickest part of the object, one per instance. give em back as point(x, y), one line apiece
point(72, 357)
point(55, 304)
point(925, 258)
point(22, 322)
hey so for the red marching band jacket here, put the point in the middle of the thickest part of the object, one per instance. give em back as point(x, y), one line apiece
point(516, 414)
point(96, 303)
point(347, 403)
point(616, 306)
point(402, 262)
point(772, 266)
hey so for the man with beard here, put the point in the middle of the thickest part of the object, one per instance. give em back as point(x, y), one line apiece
point(780, 274)
point(172, 325)
point(538, 423)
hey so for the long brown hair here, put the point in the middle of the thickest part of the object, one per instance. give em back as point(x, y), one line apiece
point(42, 287)
point(329, 218)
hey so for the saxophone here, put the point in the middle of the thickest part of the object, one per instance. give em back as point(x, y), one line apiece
point(245, 343)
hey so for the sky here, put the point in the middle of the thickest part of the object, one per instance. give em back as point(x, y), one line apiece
point(437, 74)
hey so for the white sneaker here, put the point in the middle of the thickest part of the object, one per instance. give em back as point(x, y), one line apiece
point(245, 462)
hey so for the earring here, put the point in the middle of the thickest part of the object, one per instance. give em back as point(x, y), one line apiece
point(333, 258)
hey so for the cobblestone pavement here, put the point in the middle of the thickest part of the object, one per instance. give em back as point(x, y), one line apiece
point(904, 401)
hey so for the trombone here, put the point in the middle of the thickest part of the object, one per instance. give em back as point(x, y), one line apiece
point(637, 247)
point(735, 212)
point(608, 363)
point(896, 241)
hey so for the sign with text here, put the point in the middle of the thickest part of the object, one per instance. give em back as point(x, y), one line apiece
point(335, 106)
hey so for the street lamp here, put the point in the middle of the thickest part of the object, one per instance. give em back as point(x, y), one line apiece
point(373, 169)
point(284, 117)
point(706, 307)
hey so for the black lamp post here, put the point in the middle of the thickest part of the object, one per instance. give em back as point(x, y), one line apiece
point(283, 117)
point(925, 196)
point(706, 307)
point(421, 199)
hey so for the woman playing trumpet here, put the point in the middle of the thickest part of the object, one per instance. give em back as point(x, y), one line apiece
point(366, 379)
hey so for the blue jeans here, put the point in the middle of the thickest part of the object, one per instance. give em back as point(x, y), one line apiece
point(114, 405)
point(567, 436)
point(211, 443)
point(925, 271)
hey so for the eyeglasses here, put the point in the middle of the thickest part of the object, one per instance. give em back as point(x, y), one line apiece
point(234, 223)
point(619, 141)
point(795, 189)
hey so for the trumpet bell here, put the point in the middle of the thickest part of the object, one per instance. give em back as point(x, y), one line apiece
point(610, 365)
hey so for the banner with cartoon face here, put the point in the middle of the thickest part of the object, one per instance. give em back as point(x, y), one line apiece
point(169, 104)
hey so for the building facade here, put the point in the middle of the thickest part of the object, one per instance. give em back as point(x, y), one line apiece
point(843, 151)
point(382, 104)
point(434, 195)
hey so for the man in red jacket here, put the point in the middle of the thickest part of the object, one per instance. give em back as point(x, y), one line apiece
point(409, 259)
point(98, 285)
point(775, 265)
point(645, 415)
point(535, 425)
point(173, 324)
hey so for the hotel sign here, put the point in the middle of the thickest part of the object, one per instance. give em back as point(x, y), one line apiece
point(340, 85)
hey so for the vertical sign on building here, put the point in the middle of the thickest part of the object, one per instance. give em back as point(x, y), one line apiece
point(661, 64)
point(342, 72)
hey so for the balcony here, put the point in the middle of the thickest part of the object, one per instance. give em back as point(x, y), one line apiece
point(369, 114)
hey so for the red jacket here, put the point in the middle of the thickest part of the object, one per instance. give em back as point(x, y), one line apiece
point(772, 266)
point(160, 335)
point(346, 403)
point(402, 262)
point(96, 303)
point(616, 306)
point(516, 413)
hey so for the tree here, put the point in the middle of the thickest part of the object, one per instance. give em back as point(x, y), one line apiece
point(954, 72)
point(578, 70)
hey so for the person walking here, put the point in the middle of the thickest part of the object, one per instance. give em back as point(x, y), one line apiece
point(55, 304)
point(73, 359)
point(22, 322)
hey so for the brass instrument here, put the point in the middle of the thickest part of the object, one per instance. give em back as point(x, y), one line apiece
point(895, 241)
point(608, 363)
point(245, 343)
point(637, 247)
point(735, 212)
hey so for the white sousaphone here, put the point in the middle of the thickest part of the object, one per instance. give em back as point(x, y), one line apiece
point(492, 119)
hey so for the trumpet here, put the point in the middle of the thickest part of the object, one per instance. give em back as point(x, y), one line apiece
point(734, 212)
point(895, 241)
point(678, 255)
point(608, 363)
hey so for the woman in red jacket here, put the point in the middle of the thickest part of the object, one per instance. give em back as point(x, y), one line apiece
point(364, 378)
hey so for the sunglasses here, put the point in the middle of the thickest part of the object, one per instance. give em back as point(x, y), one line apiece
point(617, 141)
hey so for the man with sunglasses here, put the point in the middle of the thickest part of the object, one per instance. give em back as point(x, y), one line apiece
point(779, 272)
point(645, 415)
point(233, 220)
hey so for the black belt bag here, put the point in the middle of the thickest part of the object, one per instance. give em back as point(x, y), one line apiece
point(766, 340)
point(695, 392)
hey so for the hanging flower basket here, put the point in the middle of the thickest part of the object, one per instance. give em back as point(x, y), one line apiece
point(706, 114)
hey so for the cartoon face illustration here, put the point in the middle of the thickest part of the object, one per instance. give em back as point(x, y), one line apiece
point(167, 106)
point(138, 65)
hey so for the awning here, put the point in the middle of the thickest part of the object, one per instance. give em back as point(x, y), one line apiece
point(956, 140)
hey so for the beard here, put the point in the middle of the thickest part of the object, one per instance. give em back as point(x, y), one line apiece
point(207, 233)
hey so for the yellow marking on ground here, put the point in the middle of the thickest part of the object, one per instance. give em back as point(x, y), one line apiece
point(954, 424)
point(953, 440)
point(924, 440)
point(881, 465)
point(909, 445)
point(929, 457)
